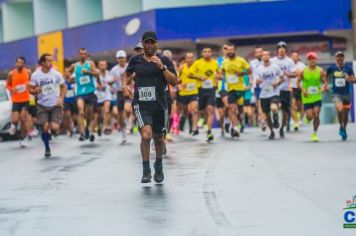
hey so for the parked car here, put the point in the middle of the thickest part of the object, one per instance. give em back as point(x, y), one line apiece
point(5, 109)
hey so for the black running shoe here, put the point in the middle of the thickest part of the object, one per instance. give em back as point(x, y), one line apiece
point(146, 177)
point(92, 138)
point(227, 127)
point(81, 138)
point(242, 128)
point(281, 133)
point(271, 137)
point(100, 132)
point(210, 138)
point(158, 176)
point(195, 132)
point(48, 153)
point(234, 133)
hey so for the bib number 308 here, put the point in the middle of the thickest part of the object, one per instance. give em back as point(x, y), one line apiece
point(147, 94)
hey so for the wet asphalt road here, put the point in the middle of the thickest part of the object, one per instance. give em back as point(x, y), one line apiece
point(249, 187)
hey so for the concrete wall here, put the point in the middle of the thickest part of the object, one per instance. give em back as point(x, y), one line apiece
point(17, 20)
point(115, 8)
point(82, 12)
point(156, 4)
point(49, 15)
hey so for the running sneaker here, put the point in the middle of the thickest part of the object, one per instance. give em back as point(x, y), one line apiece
point(23, 143)
point(314, 137)
point(69, 134)
point(234, 133)
point(281, 133)
point(210, 138)
point(169, 137)
point(92, 138)
point(227, 127)
point(342, 133)
point(296, 126)
point(124, 137)
point(307, 121)
point(344, 137)
point(107, 131)
point(158, 176)
point(242, 128)
point(271, 136)
point(200, 122)
point(99, 131)
point(82, 138)
point(48, 153)
point(146, 177)
point(12, 129)
point(195, 132)
point(264, 126)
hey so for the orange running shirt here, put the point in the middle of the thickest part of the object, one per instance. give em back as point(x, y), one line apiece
point(20, 86)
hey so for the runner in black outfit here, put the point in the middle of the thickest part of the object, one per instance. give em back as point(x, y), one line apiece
point(151, 72)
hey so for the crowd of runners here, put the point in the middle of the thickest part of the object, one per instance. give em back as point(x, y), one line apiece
point(158, 97)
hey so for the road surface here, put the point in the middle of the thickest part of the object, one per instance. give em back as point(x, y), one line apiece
point(248, 187)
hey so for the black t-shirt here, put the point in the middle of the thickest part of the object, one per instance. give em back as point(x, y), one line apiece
point(150, 83)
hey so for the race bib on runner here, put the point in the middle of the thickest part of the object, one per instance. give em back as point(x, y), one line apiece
point(268, 89)
point(147, 94)
point(21, 88)
point(70, 94)
point(313, 90)
point(233, 79)
point(340, 82)
point(84, 80)
point(190, 86)
point(208, 84)
point(48, 89)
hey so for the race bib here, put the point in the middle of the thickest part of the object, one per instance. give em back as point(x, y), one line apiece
point(48, 89)
point(70, 93)
point(340, 82)
point(233, 79)
point(21, 88)
point(268, 89)
point(147, 94)
point(84, 80)
point(313, 90)
point(208, 84)
point(190, 86)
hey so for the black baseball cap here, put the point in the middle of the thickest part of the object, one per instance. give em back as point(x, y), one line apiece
point(149, 35)
point(339, 53)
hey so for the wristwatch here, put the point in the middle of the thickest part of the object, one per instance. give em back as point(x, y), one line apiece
point(164, 68)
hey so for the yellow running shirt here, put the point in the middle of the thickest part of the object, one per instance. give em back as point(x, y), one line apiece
point(208, 69)
point(231, 66)
point(189, 86)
